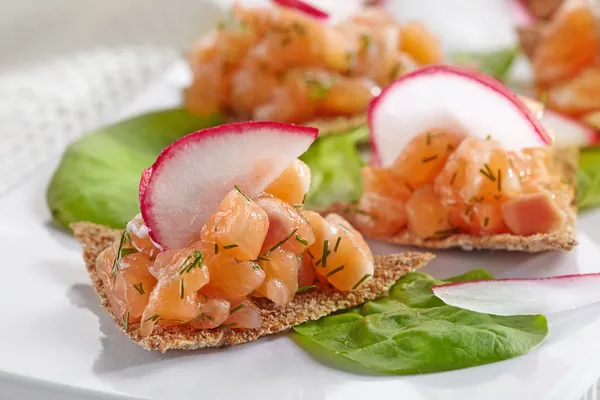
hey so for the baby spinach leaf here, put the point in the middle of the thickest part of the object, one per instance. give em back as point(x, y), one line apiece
point(335, 164)
point(97, 179)
point(411, 331)
point(495, 63)
point(588, 178)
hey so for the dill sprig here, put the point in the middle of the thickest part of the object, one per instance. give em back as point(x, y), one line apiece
point(236, 187)
point(409, 187)
point(326, 253)
point(181, 288)
point(428, 139)
point(139, 287)
point(450, 148)
point(365, 41)
point(301, 240)
point(427, 159)
point(395, 71)
point(337, 243)
point(335, 271)
point(486, 221)
point(310, 254)
point(226, 326)
point(453, 178)
point(499, 180)
point(304, 288)
point(255, 266)
point(216, 249)
point(126, 322)
point(487, 172)
point(200, 318)
point(238, 308)
point(280, 242)
point(153, 318)
point(364, 278)
point(192, 261)
point(446, 232)
point(115, 266)
point(230, 246)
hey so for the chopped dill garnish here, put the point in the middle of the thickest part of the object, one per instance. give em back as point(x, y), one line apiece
point(326, 252)
point(139, 287)
point(337, 243)
point(304, 288)
point(499, 180)
point(445, 232)
point(428, 139)
point(261, 258)
point(236, 187)
point(216, 249)
point(280, 243)
point(153, 318)
point(317, 89)
point(304, 199)
point(299, 29)
point(237, 308)
point(204, 297)
point(487, 172)
point(450, 148)
point(301, 240)
point(335, 271)
point(226, 326)
point(181, 288)
point(192, 261)
point(126, 322)
point(364, 278)
point(115, 267)
point(468, 209)
point(453, 178)
point(395, 71)
point(427, 159)
point(409, 187)
point(544, 98)
point(200, 318)
point(221, 25)
point(287, 39)
point(365, 41)
point(488, 137)
point(230, 246)
point(127, 252)
point(498, 196)
point(297, 206)
point(486, 221)
point(310, 254)
point(255, 266)
point(345, 227)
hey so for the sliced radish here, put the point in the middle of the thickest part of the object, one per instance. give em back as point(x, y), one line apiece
point(522, 296)
point(521, 13)
point(453, 98)
point(303, 7)
point(568, 131)
point(191, 176)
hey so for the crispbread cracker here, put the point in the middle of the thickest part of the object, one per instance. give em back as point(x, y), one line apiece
point(564, 164)
point(304, 307)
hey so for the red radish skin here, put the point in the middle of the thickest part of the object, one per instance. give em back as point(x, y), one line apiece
point(522, 296)
point(392, 127)
point(191, 176)
point(303, 7)
point(521, 13)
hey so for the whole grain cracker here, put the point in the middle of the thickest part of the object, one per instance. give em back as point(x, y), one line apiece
point(304, 307)
point(564, 164)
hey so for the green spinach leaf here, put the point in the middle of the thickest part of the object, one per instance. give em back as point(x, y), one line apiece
point(496, 63)
point(411, 331)
point(588, 178)
point(335, 164)
point(98, 177)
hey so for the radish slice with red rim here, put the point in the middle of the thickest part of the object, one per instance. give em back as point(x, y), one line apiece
point(190, 177)
point(303, 7)
point(521, 13)
point(452, 98)
point(522, 296)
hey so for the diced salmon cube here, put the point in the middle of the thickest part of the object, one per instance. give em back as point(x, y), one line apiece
point(427, 217)
point(293, 184)
point(243, 314)
point(239, 226)
point(532, 213)
point(281, 276)
point(232, 278)
point(287, 228)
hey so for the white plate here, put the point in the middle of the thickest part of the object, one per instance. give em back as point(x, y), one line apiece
point(56, 342)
